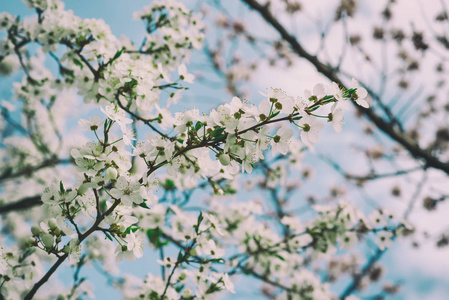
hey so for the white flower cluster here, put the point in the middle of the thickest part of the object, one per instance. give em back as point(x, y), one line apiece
point(171, 28)
point(115, 195)
point(245, 129)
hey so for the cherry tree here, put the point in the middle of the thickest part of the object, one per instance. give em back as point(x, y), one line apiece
point(204, 194)
point(398, 52)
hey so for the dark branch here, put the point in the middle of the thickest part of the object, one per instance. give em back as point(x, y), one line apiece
point(24, 203)
point(403, 139)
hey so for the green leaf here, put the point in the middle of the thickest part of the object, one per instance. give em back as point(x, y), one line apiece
point(197, 226)
point(200, 218)
point(162, 18)
point(78, 63)
point(108, 236)
point(247, 271)
point(198, 125)
point(315, 108)
point(169, 185)
point(275, 114)
point(217, 131)
point(65, 71)
point(154, 236)
point(280, 257)
point(143, 204)
point(61, 187)
point(179, 288)
point(117, 54)
point(131, 228)
point(131, 84)
point(229, 190)
point(217, 260)
point(180, 257)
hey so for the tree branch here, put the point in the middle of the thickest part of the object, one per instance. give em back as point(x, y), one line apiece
point(61, 259)
point(28, 170)
point(403, 139)
point(24, 203)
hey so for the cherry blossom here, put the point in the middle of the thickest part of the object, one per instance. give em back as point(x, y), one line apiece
point(127, 190)
point(279, 143)
point(130, 182)
point(311, 127)
point(361, 94)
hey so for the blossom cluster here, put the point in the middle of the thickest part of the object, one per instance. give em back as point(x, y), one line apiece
point(121, 194)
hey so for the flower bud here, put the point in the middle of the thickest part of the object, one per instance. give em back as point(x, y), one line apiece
point(182, 277)
point(82, 189)
point(52, 224)
point(111, 173)
point(35, 230)
point(224, 159)
point(57, 231)
point(187, 293)
point(47, 240)
point(30, 241)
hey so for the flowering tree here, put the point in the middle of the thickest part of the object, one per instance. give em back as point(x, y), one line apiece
point(399, 52)
point(129, 186)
